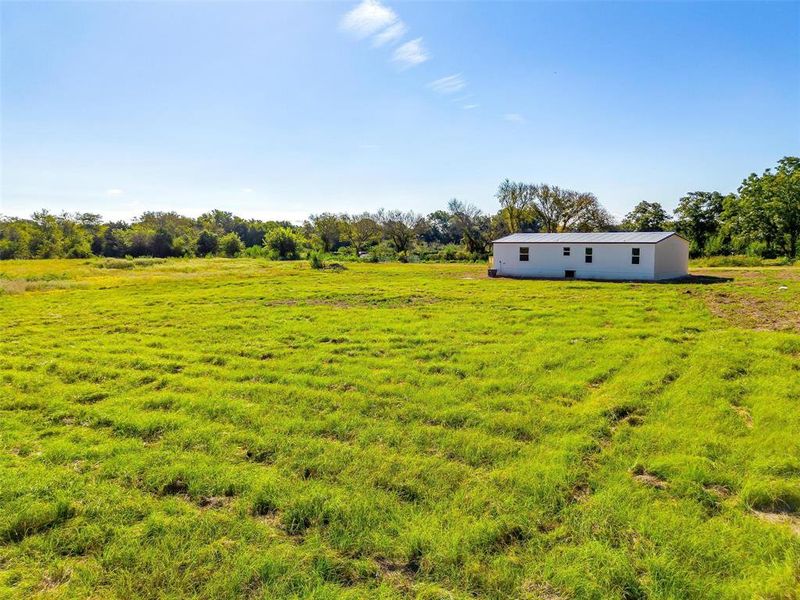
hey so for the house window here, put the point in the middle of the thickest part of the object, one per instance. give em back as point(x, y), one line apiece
point(634, 256)
point(524, 253)
point(588, 255)
point(566, 250)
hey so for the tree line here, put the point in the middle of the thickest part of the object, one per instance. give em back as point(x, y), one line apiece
point(761, 219)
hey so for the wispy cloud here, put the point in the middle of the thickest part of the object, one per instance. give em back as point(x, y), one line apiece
point(411, 54)
point(114, 192)
point(367, 18)
point(514, 118)
point(247, 190)
point(390, 35)
point(375, 20)
point(448, 85)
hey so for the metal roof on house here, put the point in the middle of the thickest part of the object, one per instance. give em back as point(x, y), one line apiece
point(617, 237)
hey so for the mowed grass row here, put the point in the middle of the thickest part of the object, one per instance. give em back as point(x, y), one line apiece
point(243, 428)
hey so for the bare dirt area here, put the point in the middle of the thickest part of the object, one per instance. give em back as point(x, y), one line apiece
point(793, 521)
point(765, 299)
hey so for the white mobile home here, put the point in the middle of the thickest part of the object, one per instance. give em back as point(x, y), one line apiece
point(645, 256)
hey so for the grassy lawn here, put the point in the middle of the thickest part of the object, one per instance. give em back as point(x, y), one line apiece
point(242, 428)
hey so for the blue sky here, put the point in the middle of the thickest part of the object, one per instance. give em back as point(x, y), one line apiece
point(279, 110)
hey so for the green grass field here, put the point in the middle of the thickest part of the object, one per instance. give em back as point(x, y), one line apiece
point(243, 428)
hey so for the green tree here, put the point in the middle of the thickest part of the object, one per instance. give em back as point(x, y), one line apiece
point(113, 240)
point(231, 245)
point(218, 221)
point(437, 228)
point(48, 238)
point(92, 224)
point(207, 243)
point(360, 231)
point(560, 209)
point(170, 222)
point(185, 244)
point(137, 240)
point(326, 229)
point(77, 238)
point(251, 231)
point(284, 243)
point(15, 238)
point(772, 203)
point(472, 226)
point(399, 228)
point(698, 218)
point(646, 216)
point(516, 204)
point(161, 245)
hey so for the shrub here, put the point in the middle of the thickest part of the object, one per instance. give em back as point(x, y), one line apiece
point(207, 243)
point(162, 244)
point(231, 245)
point(80, 249)
point(716, 246)
point(449, 252)
point(757, 249)
point(184, 246)
point(316, 260)
point(136, 242)
point(255, 252)
point(346, 253)
point(382, 252)
point(284, 243)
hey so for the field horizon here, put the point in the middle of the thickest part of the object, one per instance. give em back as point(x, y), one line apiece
point(245, 428)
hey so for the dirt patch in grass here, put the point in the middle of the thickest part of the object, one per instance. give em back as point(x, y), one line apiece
point(176, 487)
point(633, 416)
point(580, 493)
point(651, 480)
point(754, 313)
point(780, 518)
point(644, 477)
point(213, 501)
point(54, 579)
point(773, 306)
point(744, 413)
point(543, 591)
point(720, 491)
point(398, 572)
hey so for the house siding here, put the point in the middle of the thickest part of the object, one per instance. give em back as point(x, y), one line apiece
point(609, 261)
point(672, 258)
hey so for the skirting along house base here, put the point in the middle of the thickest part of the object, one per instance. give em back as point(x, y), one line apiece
point(642, 256)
